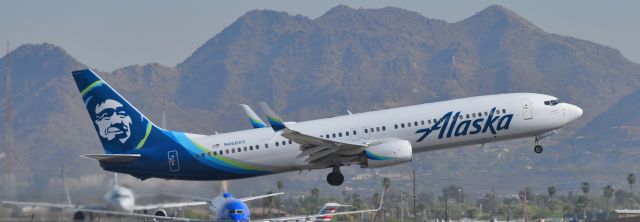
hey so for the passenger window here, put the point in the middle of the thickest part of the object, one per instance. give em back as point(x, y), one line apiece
point(467, 116)
point(378, 129)
point(239, 149)
point(346, 133)
point(328, 136)
point(321, 136)
point(354, 133)
point(215, 153)
point(245, 148)
point(334, 135)
point(366, 131)
point(415, 123)
point(233, 150)
point(371, 130)
point(402, 125)
point(251, 147)
point(227, 151)
point(384, 128)
point(486, 113)
point(429, 122)
point(290, 142)
point(497, 111)
point(547, 103)
point(395, 126)
point(340, 134)
point(409, 124)
point(284, 143)
point(277, 143)
point(460, 117)
point(504, 111)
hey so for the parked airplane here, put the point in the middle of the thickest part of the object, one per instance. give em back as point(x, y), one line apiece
point(120, 201)
point(136, 146)
point(327, 213)
point(227, 208)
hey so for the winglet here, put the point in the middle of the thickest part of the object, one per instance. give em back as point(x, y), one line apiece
point(276, 122)
point(255, 121)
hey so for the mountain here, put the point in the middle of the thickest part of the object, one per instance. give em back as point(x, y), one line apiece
point(366, 59)
point(356, 59)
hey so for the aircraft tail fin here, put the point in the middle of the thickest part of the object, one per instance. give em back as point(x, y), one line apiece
point(328, 208)
point(120, 126)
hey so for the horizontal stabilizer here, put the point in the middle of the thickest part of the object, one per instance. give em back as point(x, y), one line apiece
point(113, 158)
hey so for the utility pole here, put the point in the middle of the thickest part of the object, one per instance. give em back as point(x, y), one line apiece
point(414, 195)
point(524, 205)
point(446, 209)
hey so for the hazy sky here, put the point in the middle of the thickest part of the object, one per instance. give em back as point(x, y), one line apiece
point(112, 34)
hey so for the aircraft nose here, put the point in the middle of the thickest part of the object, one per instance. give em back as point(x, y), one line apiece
point(573, 112)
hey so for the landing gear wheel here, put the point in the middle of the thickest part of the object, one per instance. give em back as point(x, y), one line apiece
point(335, 178)
point(537, 149)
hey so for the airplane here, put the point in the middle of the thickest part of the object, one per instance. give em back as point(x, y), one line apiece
point(136, 146)
point(225, 207)
point(326, 213)
point(254, 119)
point(120, 201)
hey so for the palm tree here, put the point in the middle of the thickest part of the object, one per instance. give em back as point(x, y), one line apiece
point(552, 191)
point(277, 199)
point(631, 179)
point(585, 188)
point(607, 193)
point(279, 185)
point(386, 183)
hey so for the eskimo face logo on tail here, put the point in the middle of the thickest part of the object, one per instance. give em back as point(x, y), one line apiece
point(449, 126)
point(112, 121)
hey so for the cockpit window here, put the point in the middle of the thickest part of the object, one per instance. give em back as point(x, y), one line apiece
point(552, 102)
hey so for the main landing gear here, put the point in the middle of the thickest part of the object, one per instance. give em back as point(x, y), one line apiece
point(335, 178)
point(537, 148)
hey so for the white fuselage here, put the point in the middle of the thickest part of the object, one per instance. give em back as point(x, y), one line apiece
point(530, 117)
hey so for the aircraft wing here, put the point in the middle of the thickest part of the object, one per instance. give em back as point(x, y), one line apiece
point(39, 204)
point(170, 205)
point(245, 199)
point(137, 215)
point(96, 211)
point(320, 150)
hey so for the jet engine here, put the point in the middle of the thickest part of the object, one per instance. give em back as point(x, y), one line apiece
point(80, 216)
point(160, 213)
point(387, 153)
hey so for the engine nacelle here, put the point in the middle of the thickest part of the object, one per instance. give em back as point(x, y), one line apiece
point(388, 153)
point(79, 216)
point(160, 213)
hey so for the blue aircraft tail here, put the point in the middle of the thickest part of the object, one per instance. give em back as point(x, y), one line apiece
point(121, 127)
